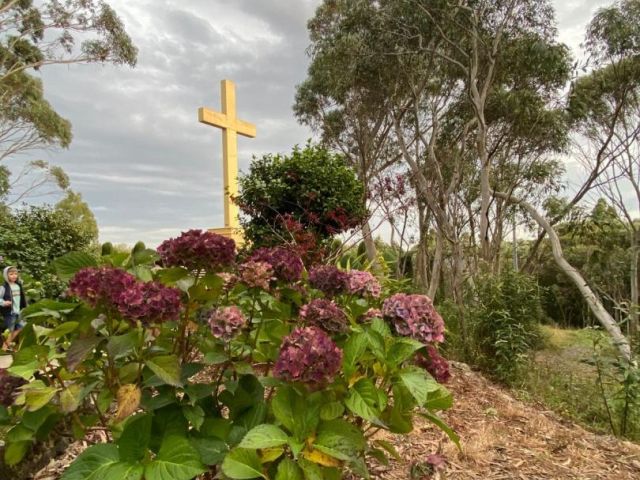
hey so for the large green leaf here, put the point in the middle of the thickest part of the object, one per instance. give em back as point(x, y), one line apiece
point(402, 349)
point(339, 439)
point(441, 399)
point(354, 347)
point(63, 329)
point(437, 421)
point(176, 460)
point(28, 360)
point(102, 462)
point(364, 400)
point(122, 345)
point(51, 305)
point(134, 440)
point(212, 450)
point(71, 397)
point(14, 452)
point(418, 383)
point(298, 414)
point(167, 368)
point(289, 470)
point(79, 350)
point(37, 395)
point(242, 464)
point(67, 265)
point(264, 436)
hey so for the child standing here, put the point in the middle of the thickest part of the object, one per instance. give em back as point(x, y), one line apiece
point(12, 300)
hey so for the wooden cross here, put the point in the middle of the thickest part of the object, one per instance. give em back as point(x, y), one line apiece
point(231, 127)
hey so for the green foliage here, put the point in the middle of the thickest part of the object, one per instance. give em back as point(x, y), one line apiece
point(288, 197)
point(33, 237)
point(145, 381)
point(504, 324)
point(80, 212)
point(577, 374)
point(597, 244)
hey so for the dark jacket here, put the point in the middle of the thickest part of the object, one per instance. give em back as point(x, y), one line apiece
point(6, 311)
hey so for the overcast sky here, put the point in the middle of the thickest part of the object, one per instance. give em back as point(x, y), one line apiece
point(141, 160)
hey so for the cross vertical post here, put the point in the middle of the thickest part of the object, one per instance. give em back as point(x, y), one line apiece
point(231, 126)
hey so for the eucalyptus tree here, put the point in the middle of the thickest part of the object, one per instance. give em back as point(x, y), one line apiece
point(349, 88)
point(34, 35)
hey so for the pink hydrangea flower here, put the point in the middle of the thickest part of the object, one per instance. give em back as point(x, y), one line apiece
point(256, 274)
point(328, 279)
point(363, 283)
point(324, 314)
point(100, 285)
point(415, 316)
point(435, 364)
point(226, 322)
point(150, 302)
point(286, 264)
point(197, 249)
point(308, 356)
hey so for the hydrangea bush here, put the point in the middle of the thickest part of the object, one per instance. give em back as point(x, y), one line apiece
point(192, 360)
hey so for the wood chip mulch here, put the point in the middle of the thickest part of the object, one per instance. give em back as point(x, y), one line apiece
point(502, 439)
point(505, 439)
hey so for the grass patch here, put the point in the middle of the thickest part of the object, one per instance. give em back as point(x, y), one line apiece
point(563, 377)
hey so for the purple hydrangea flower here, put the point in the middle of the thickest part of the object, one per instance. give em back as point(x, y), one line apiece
point(324, 314)
point(328, 279)
point(308, 356)
point(286, 264)
point(256, 274)
point(197, 249)
point(363, 283)
point(226, 322)
point(97, 285)
point(150, 303)
point(435, 364)
point(415, 316)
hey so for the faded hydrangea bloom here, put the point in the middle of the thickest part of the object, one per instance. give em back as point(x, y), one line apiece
point(370, 315)
point(286, 264)
point(435, 364)
point(415, 316)
point(150, 303)
point(226, 322)
point(256, 274)
point(324, 314)
point(198, 250)
point(328, 279)
point(229, 280)
point(102, 285)
point(363, 283)
point(308, 356)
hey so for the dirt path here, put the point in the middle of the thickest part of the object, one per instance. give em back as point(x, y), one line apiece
point(504, 439)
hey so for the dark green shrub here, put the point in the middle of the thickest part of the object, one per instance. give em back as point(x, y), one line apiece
point(33, 237)
point(504, 324)
point(303, 198)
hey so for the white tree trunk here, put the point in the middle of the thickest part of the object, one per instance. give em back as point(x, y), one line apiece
point(606, 320)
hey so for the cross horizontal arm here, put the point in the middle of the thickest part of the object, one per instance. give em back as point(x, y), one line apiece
point(220, 120)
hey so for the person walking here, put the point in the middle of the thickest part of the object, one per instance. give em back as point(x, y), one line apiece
point(12, 301)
